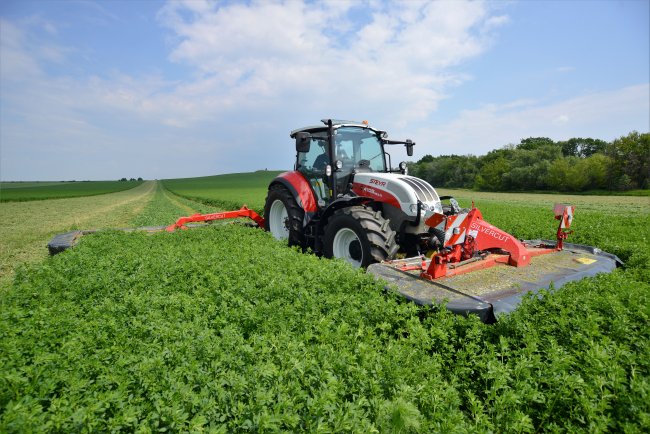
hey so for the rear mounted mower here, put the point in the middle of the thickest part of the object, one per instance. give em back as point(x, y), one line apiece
point(343, 199)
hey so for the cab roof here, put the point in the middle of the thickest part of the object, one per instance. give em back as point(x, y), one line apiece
point(336, 123)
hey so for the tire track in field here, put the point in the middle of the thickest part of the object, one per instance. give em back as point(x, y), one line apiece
point(174, 200)
point(192, 206)
point(26, 227)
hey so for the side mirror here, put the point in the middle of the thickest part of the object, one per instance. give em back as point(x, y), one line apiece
point(303, 142)
point(409, 147)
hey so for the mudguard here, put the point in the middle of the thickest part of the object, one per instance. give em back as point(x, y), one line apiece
point(301, 191)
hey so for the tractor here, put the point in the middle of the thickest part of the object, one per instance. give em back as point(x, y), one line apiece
point(345, 200)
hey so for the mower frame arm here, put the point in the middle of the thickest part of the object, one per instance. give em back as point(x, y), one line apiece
point(244, 211)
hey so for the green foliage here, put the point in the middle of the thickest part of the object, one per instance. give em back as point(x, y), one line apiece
point(19, 192)
point(490, 177)
point(596, 167)
point(568, 174)
point(223, 329)
point(579, 147)
point(538, 163)
point(533, 143)
point(448, 171)
point(631, 156)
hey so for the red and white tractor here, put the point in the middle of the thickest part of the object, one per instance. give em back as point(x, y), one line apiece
point(345, 200)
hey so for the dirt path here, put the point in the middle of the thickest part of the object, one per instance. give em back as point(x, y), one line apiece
point(26, 227)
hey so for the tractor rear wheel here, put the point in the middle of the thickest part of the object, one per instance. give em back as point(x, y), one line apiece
point(359, 235)
point(282, 215)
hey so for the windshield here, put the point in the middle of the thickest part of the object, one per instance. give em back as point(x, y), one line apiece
point(359, 148)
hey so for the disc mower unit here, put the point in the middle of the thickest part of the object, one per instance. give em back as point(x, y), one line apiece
point(344, 199)
point(485, 271)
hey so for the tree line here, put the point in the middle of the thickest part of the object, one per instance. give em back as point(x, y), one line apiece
point(539, 163)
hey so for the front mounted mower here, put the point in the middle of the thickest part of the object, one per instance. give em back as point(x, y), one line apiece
point(345, 200)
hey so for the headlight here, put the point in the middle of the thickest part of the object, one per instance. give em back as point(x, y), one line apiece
point(339, 164)
point(328, 170)
point(403, 168)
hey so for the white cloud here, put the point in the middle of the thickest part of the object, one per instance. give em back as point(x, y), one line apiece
point(561, 120)
point(274, 65)
point(260, 69)
point(16, 62)
point(495, 22)
point(279, 54)
point(601, 115)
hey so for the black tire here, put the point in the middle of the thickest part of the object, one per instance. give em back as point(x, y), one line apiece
point(360, 236)
point(440, 235)
point(283, 226)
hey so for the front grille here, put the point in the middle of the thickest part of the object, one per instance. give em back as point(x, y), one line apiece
point(424, 192)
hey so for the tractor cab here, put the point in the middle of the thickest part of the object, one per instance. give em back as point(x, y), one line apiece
point(329, 156)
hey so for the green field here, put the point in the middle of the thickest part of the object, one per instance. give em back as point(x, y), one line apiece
point(28, 184)
point(226, 191)
point(224, 329)
point(27, 191)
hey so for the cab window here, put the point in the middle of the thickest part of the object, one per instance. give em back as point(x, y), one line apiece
point(317, 158)
point(360, 147)
point(312, 164)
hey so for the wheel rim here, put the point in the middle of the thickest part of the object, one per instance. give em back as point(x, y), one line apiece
point(346, 245)
point(279, 220)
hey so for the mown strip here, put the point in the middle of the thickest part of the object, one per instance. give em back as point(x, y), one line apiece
point(165, 208)
point(26, 227)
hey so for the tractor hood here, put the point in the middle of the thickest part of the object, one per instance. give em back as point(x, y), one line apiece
point(401, 191)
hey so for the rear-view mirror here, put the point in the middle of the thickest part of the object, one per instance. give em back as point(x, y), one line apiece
point(303, 142)
point(409, 147)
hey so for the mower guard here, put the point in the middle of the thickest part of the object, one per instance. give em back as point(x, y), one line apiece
point(498, 290)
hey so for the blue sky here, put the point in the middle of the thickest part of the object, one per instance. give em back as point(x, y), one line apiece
point(106, 89)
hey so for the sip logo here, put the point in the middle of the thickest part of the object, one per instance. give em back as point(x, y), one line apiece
point(377, 182)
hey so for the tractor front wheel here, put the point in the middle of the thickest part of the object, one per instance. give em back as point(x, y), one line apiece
point(282, 215)
point(360, 236)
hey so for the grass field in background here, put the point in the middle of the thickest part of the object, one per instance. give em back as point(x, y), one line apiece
point(620, 205)
point(226, 191)
point(27, 191)
point(28, 184)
